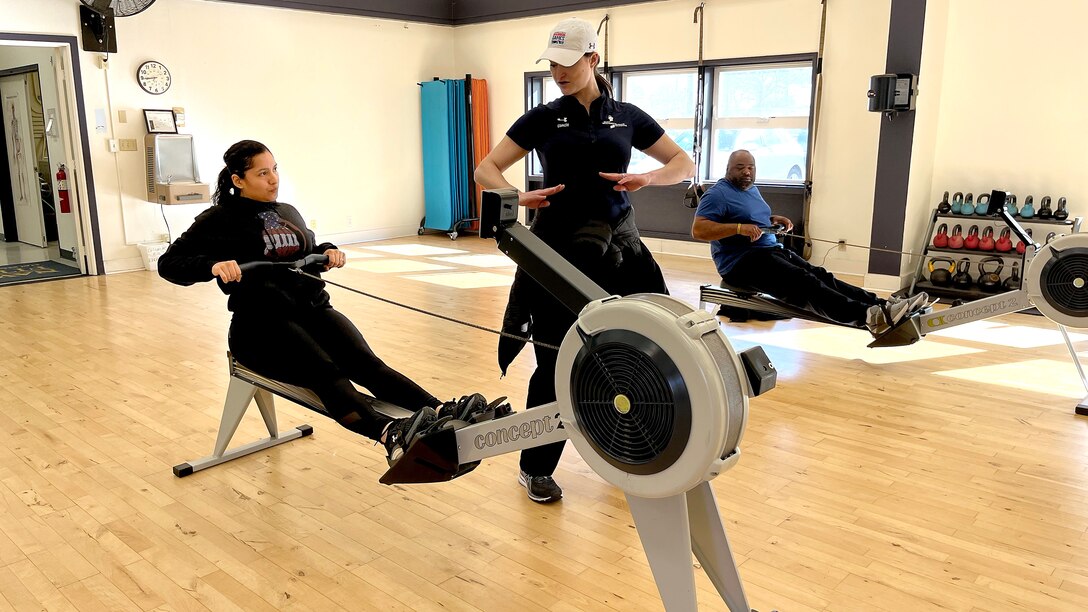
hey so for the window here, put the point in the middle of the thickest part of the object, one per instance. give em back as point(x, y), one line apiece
point(765, 110)
point(761, 106)
point(669, 97)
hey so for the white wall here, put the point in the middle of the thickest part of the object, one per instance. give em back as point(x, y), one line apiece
point(1012, 108)
point(17, 57)
point(334, 97)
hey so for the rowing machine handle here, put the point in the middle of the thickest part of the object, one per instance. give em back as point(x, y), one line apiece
point(293, 265)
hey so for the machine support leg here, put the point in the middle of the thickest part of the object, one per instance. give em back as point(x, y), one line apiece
point(1082, 407)
point(670, 528)
point(711, 546)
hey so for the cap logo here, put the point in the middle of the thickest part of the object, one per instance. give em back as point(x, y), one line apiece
point(559, 38)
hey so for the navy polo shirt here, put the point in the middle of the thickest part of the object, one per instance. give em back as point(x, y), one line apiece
point(573, 147)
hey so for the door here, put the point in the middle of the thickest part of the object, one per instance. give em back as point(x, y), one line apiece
point(30, 224)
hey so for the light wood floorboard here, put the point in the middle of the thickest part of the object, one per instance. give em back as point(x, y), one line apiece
point(945, 476)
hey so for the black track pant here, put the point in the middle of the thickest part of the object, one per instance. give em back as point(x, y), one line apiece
point(639, 273)
point(788, 277)
point(322, 350)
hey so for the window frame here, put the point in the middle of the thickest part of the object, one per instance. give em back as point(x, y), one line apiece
point(534, 91)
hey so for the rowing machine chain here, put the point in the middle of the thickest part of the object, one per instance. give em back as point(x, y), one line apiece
point(429, 313)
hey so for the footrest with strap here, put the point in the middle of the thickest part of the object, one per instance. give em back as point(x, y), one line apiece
point(904, 333)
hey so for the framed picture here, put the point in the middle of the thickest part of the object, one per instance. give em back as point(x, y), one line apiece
point(160, 122)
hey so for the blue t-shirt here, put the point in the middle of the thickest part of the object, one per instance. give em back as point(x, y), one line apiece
point(724, 203)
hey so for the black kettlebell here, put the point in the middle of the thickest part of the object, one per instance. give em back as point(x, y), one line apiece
point(943, 207)
point(1044, 210)
point(962, 279)
point(1012, 283)
point(941, 277)
point(1061, 214)
point(990, 280)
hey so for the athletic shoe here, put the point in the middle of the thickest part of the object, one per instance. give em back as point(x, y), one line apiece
point(541, 489)
point(882, 317)
point(915, 301)
point(401, 433)
point(463, 409)
point(474, 409)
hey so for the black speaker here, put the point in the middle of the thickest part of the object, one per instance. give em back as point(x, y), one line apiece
point(98, 33)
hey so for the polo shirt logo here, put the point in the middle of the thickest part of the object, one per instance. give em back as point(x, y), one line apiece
point(562, 122)
point(612, 124)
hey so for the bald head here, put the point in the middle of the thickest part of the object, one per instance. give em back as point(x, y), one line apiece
point(741, 171)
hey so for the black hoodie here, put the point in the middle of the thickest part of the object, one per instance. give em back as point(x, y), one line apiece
point(247, 230)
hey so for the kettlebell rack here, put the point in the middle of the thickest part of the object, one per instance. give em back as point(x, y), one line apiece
point(977, 272)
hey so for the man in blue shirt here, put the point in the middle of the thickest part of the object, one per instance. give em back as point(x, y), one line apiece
point(731, 216)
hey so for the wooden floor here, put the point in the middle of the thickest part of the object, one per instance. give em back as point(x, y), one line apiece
point(947, 475)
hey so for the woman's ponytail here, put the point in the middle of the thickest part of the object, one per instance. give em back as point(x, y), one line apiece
point(223, 186)
point(603, 84)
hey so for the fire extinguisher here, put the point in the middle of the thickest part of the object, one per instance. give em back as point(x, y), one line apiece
point(62, 189)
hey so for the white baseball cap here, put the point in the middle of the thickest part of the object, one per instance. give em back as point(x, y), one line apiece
point(569, 41)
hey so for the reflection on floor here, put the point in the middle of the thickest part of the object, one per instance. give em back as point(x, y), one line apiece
point(18, 252)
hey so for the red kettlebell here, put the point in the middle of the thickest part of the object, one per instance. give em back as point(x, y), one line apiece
point(971, 241)
point(955, 239)
point(986, 242)
point(941, 239)
point(1004, 242)
point(1022, 246)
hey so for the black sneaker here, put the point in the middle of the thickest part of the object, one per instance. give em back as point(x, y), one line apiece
point(464, 408)
point(474, 409)
point(401, 433)
point(541, 489)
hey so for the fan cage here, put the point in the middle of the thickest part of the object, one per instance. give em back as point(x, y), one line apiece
point(1059, 279)
point(652, 434)
point(124, 8)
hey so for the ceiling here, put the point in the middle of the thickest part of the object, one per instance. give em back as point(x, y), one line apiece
point(448, 12)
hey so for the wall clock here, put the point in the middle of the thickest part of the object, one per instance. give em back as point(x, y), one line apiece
point(153, 77)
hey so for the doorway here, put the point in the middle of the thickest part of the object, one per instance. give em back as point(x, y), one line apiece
point(48, 212)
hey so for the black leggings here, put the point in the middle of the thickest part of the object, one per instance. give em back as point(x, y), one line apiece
point(320, 349)
point(788, 277)
point(639, 273)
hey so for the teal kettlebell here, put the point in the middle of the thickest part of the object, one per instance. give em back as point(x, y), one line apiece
point(957, 203)
point(983, 203)
point(1010, 204)
point(968, 204)
point(982, 208)
point(1028, 211)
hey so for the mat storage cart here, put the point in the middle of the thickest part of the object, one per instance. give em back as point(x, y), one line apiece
point(453, 114)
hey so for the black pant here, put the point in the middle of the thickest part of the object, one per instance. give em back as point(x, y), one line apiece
point(638, 273)
point(320, 349)
point(788, 277)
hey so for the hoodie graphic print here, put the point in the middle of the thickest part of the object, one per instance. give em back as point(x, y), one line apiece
point(282, 240)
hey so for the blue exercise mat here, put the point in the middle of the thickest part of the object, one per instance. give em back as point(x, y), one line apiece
point(445, 153)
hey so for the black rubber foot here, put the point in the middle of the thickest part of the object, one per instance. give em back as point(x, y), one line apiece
point(1082, 410)
point(182, 470)
point(305, 429)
